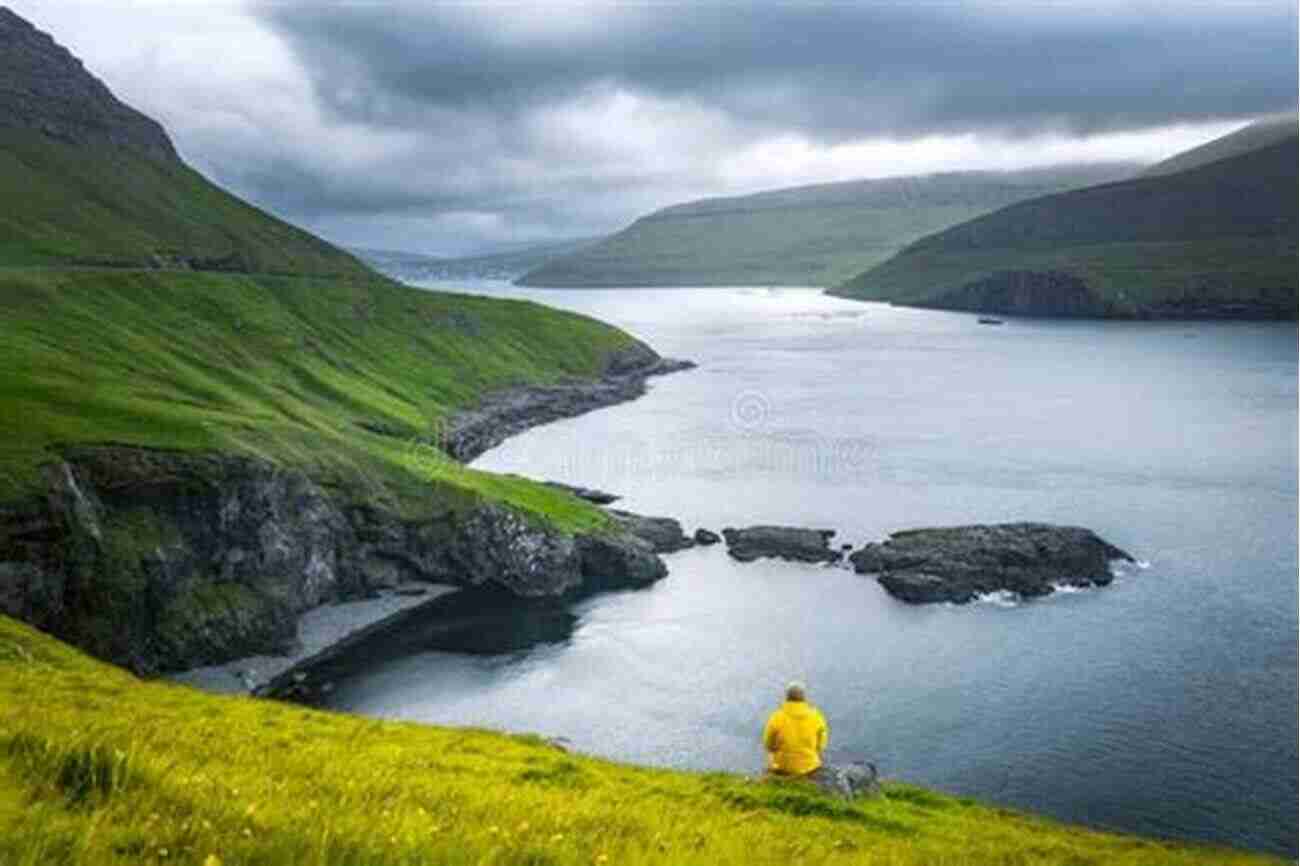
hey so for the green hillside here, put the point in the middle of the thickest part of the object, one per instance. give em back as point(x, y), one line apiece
point(145, 306)
point(77, 205)
point(99, 768)
point(287, 368)
point(1215, 240)
point(803, 236)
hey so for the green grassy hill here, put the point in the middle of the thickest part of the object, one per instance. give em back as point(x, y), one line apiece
point(1215, 240)
point(70, 204)
point(99, 768)
point(154, 320)
point(803, 236)
point(285, 368)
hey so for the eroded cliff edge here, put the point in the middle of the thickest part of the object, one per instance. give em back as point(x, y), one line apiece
point(165, 560)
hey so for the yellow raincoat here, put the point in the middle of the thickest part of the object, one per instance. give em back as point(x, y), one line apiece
point(794, 737)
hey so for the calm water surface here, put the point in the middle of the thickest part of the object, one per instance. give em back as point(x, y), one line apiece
point(1164, 704)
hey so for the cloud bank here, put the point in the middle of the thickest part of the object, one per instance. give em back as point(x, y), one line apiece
point(446, 127)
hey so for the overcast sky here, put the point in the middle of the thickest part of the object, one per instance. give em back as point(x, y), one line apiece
point(448, 127)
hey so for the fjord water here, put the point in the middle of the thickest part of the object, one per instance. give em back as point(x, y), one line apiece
point(1164, 704)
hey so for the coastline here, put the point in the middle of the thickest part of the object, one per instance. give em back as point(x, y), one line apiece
point(329, 629)
point(321, 631)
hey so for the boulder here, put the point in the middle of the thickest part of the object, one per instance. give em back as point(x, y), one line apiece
point(958, 564)
point(664, 534)
point(781, 542)
point(590, 494)
point(706, 537)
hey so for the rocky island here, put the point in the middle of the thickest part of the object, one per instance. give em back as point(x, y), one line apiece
point(958, 564)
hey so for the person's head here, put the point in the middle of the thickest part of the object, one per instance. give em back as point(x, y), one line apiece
point(795, 691)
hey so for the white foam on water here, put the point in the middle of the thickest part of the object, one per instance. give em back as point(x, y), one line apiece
point(999, 598)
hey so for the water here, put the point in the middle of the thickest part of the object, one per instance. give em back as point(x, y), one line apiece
point(1164, 704)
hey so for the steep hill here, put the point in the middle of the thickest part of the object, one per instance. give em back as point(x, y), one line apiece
point(1260, 134)
point(91, 181)
point(1216, 240)
point(97, 767)
point(803, 236)
point(190, 457)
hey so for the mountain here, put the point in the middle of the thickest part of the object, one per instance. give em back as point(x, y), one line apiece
point(802, 236)
point(1257, 135)
point(211, 421)
point(1217, 239)
point(101, 184)
point(505, 264)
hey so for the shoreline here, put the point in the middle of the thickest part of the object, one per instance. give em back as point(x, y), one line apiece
point(327, 630)
point(321, 631)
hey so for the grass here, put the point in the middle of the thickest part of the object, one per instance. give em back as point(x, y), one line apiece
point(112, 206)
point(284, 368)
point(98, 767)
point(1129, 276)
point(805, 236)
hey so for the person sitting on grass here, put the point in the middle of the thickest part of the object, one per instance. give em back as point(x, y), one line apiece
point(795, 736)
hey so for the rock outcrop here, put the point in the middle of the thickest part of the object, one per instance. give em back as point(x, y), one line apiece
point(588, 494)
point(663, 534)
point(958, 564)
point(706, 536)
point(45, 89)
point(781, 542)
point(505, 413)
point(164, 561)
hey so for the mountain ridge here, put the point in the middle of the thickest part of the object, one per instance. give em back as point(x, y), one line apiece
point(817, 234)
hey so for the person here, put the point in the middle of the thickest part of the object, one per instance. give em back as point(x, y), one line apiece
point(795, 735)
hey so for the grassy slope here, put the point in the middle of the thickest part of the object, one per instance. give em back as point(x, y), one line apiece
point(97, 767)
point(804, 236)
point(276, 366)
point(1224, 231)
point(81, 205)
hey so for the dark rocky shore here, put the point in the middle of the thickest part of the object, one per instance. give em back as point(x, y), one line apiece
point(166, 561)
point(505, 413)
point(781, 542)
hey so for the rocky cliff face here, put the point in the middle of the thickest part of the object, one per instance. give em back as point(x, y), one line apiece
point(164, 561)
point(44, 88)
point(1025, 293)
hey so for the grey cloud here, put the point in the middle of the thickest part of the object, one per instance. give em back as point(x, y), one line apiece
point(831, 71)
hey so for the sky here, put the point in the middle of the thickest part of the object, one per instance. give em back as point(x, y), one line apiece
point(450, 128)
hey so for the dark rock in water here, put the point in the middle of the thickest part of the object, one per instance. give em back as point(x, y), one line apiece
point(663, 534)
point(618, 562)
point(957, 564)
point(781, 542)
point(590, 494)
point(706, 537)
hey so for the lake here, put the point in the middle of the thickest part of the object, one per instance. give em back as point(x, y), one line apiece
point(1165, 704)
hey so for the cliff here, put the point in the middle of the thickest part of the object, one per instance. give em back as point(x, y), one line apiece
point(45, 89)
